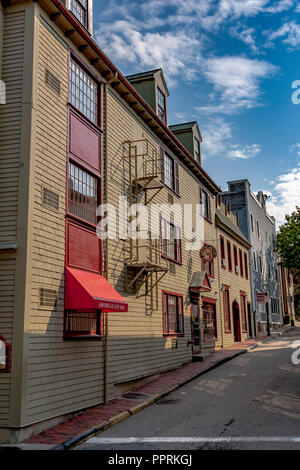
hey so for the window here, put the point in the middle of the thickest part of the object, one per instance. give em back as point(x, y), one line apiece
point(257, 229)
point(161, 106)
point(274, 305)
point(209, 321)
point(246, 265)
point(205, 202)
point(79, 8)
point(173, 313)
point(208, 267)
point(197, 150)
point(241, 263)
point(223, 258)
point(4, 356)
point(171, 241)
point(83, 92)
point(82, 194)
point(80, 324)
point(244, 313)
point(171, 173)
point(254, 261)
point(252, 224)
point(229, 256)
point(226, 310)
point(235, 258)
point(260, 264)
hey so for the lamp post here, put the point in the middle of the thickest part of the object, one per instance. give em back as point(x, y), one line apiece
point(265, 286)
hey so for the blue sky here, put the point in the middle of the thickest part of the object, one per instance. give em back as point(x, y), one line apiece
point(230, 65)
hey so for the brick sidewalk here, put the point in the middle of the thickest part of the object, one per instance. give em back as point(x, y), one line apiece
point(104, 416)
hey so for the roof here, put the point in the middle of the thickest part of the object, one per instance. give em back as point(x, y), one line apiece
point(226, 224)
point(149, 73)
point(71, 27)
point(183, 127)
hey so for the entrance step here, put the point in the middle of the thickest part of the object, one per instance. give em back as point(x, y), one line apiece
point(200, 357)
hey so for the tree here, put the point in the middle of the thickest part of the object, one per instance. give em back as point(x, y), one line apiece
point(288, 243)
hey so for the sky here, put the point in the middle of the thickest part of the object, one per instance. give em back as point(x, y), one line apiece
point(231, 65)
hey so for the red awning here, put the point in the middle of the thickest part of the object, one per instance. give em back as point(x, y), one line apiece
point(86, 290)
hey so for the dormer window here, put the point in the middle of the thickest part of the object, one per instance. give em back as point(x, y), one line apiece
point(197, 154)
point(161, 106)
point(79, 8)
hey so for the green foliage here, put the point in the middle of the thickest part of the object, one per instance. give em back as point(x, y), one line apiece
point(288, 243)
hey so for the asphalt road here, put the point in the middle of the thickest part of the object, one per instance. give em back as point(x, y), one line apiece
point(251, 402)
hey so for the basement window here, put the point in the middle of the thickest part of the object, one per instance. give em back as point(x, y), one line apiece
point(82, 324)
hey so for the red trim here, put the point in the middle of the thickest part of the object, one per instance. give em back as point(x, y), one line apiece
point(172, 333)
point(222, 251)
point(8, 356)
point(235, 259)
point(227, 289)
point(208, 300)
point(229, 255)
point(212, 302)
point(241, 263)
point(121, 78)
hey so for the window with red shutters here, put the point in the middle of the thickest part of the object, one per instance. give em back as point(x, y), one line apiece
point(172, 314)
point(241, 263)
point(229, 256)
point(244, 312)
point(226, 309)
point(246, 265)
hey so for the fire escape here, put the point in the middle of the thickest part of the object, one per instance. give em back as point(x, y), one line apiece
point(144, 265)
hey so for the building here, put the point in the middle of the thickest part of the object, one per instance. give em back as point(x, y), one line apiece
point(260, 230)
point(84, 317)
point(287, 296)
point(234, 277)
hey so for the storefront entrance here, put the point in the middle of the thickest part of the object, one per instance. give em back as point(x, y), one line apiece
point(236, 322)
point(196, 328)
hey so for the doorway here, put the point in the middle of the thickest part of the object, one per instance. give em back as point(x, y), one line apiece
point(236, 322)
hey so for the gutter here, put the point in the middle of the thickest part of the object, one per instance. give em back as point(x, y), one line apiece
point(122, 79)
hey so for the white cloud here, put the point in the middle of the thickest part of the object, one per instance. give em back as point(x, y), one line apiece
point(244, 152)
point(289, 32)
point(285, 195)
point(215, 136)
point(176, 52)
point(236, 80)
point(246, 35)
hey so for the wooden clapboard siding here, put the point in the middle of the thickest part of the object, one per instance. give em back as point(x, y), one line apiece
point(10, 136)
point(137, 347)
point(62, 376)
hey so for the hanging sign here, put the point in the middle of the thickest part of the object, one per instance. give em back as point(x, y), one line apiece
point(208, 253)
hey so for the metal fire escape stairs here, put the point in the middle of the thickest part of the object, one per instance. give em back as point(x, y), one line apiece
point(145, 265)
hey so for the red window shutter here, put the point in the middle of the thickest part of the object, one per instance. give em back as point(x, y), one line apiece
point(161, 164)
point(176, 175)
point(209, 207)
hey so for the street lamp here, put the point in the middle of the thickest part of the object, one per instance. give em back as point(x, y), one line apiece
point(265, 286)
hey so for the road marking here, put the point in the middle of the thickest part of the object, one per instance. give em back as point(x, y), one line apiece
point(184, 440)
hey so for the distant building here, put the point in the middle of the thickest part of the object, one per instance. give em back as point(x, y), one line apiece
point(260, 230)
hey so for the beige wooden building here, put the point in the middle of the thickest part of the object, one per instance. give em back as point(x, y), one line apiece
point(235, 287)
point(83, 320)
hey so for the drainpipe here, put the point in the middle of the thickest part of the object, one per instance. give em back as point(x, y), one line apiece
point(105, 189)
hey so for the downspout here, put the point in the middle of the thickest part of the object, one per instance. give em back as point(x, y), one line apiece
point(105, 200)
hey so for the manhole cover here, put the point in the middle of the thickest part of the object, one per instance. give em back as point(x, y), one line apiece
point(134, 396)
point(168, 401)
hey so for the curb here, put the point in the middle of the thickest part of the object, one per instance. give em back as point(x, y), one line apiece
point(81, 438)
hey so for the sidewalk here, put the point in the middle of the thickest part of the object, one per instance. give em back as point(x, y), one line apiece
point(97, 419)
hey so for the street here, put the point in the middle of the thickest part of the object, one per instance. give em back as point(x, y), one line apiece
point(251, 402)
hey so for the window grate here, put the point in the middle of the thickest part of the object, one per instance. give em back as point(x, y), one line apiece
point(80, 323)
point(52, 81)
point(48, 298)
point(50, 198)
